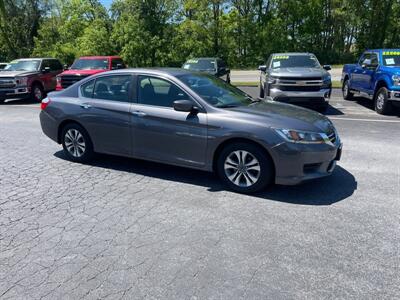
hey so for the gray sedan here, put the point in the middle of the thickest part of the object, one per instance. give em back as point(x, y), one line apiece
point(192, 120)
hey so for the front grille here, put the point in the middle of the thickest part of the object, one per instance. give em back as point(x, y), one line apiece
point(300, 78)
point(294, 88)
point(68, 80)
point(7, 83)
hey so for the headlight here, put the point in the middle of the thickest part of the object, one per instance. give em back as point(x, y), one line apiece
point(305, 137)
point(271, 79)
point(396, 79)
point(21, 81)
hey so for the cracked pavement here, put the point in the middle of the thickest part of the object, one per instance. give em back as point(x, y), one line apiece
point(128, 229)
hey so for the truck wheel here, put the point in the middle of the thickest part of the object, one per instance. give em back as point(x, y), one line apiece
point(382, 105)
point(37, 93)
point(245, 168)
point(347, 95)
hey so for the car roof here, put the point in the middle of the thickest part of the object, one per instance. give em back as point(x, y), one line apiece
point(293, 53)
point(205, 58)
point(36, 58)
point(160, 71)
point(380, 50)
point(98, 57)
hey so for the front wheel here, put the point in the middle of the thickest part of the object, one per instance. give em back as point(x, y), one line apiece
point(383, 106)
point(347, 95)
point(37, 93)
point(245, 168)
point(76, 143)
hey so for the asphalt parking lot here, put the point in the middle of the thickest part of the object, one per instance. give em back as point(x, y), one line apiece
point(128, 229)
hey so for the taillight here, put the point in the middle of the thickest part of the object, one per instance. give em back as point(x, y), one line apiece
point(45, 102)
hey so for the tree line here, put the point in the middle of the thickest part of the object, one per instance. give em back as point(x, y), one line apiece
point(167, 32)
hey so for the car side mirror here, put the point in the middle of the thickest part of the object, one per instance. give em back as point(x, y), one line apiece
point(46, 70)
point(327, 67)
point(262, 68)
point(184, 105)
point(66, 67)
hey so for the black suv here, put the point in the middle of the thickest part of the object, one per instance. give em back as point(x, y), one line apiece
point(211, 65)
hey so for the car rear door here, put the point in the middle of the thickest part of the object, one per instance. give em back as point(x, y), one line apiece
point(161, 133)
point(105, 105)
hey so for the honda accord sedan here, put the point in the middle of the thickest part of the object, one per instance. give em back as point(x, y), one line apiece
point(193, 120)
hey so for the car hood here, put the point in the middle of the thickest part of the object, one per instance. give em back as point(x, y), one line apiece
point(391, 70)
point(299, 72)
point(17, 73)
point(285, 116)
point(82, 72)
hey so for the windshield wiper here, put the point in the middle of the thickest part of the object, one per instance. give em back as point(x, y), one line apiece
point(227, 106)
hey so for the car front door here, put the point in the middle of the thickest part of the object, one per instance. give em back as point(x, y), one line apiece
point(368, 73)
point(358, 74)
point(161, 133)
point(105, 105)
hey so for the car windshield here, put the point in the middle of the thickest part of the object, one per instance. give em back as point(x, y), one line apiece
point(90, 64)
point(23, 65)
point(200, 65)
point(391, 58)
point(215, 91)
point(294, 61)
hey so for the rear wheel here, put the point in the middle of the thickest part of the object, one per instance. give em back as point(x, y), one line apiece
point(76, 143)
point(347, 94)
point(37, 93)
point(383, 106)
point(245, 168)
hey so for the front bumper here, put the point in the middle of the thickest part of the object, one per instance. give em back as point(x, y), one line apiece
point(296, 163)
point(17, 92)
point(394, 95)
point(311, 97)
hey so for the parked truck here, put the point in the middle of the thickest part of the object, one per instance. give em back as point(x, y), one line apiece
point(86, 66)
point(29, 78)
point(376, 76)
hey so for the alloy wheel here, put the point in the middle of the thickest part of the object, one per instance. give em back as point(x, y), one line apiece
point(37, 92)
point(380, 101)
point(75, 143)
point(242, 168)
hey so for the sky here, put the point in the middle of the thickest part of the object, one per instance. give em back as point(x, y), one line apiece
point(106, 3)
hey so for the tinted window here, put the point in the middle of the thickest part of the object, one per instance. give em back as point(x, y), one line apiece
point(374, 59)
point(200, 65)
point(215, 91)
point(55, 65)
point(115, 62)
point(364, 57)
point(115, 88)
point(159, 92)
point(294, 61)
point(87, 89)
point(45, 64)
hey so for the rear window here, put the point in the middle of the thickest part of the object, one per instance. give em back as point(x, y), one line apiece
point(200, 65)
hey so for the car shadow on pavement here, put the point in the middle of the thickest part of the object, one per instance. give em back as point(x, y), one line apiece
point(369, 104)
point(325, 191)
point(19, 101)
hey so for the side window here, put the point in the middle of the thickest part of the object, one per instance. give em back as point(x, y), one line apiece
point(114, 88)
point(364, 57)
point(55, 65)
point(87, 89)
point(116, 62)
point(374, 60)
point(45, 64)
point(159, 92)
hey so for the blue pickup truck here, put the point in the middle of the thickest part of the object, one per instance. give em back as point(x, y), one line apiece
point(376, 76)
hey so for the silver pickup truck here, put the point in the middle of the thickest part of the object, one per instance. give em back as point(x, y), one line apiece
point(296, 78)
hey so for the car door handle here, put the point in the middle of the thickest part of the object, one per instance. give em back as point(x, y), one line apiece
point(86, 106)
point(138, 113)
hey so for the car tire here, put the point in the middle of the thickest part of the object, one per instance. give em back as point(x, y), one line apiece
point(245, 168)
point(76, 143)
point(347, 95)
point(37, 92)
point(262, 91)
point(383, 106)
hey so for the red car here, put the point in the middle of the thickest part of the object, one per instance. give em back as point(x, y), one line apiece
point(86, 66)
